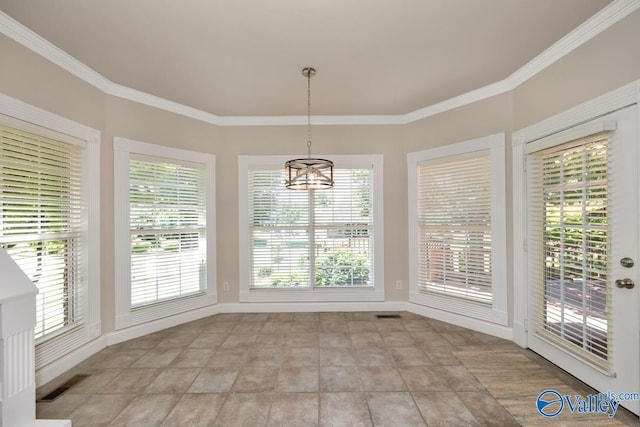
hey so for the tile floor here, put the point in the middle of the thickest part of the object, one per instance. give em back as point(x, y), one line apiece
point(308, 369)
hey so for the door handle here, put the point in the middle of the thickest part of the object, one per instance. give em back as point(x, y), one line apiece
point(625, 283)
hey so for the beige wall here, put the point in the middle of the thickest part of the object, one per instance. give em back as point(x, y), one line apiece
point(605, 63)
point(608, 61)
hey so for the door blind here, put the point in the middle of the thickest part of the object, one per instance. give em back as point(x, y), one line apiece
point(569, 242)
point(454, 223)
point(42, 223)
point(167, 225)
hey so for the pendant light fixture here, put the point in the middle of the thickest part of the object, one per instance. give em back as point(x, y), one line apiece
point(309, 173)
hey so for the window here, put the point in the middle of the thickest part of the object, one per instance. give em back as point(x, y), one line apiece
point(311, 245)
point(49, 224)
point(165, 231)
point(457, 228)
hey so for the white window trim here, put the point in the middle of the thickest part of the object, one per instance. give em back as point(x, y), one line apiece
point(607, 103)
point(498, 311)
point(125, 315)
point(316, 294)
point(63, 345)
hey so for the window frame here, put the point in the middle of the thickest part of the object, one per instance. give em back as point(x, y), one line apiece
point(497, 311)
point(317, 293)
point(125, 315)
point(26, 117)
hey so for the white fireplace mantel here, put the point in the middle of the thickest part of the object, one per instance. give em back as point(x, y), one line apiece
point(17, 347)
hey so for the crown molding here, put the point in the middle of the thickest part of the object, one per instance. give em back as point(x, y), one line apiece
point(39, 45)
point(584, 32)
point(609, 15)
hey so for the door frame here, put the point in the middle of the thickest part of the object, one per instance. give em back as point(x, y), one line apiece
point(608, 103)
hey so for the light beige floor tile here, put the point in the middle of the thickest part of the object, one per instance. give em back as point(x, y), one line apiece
point(157, 358)
point(247, 327)
point(276, 327)
point(208, 340)
point(256, 380)
point(271, 340)
point(254, 317)
point(344, 409)
point(294, 410)
point(146, 410)
point(100, 409)
point(456, 376)
point(301, 357)
point(340, 379)
point(424, 378)
point(265, 357)
point(442, 357)
point(305, 326)
point(302, 339)
point(178, 340)
point(460, 379)
point(337, 357)
point(366, 339)
point(356, 326)
point(61, 407)
point(334, 339)
point(445, 409)
point(297, 379)
point(390, 325)
point(239, 341)
point(381, 378)
point(193, 358)
point(334, 326)
point(214, 380)
point(430, 339)
point(394, 409)
point(397, 339)
point(306, 317)
point(173, 380)
point(220, 327)
point(120, 359)
point(96, 381)
point(373, 356)
point(280, 317)
point(486, 409)
point(229, 357)
point(195, 410)
point(409, 356)
point(244, 410)
point(133, 380)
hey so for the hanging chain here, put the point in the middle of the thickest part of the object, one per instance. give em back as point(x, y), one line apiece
point(309, 113)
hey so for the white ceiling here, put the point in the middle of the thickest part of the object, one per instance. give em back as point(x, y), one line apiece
point(243, 57)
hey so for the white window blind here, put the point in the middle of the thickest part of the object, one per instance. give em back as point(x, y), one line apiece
point(42, 223)
point(569, 240)
point(311, 239)
point(167, 212)
point(343, 230)
point(454, 226)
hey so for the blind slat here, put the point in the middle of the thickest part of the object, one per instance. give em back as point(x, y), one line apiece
point(167, 219)
point(42, 222)
point(454, 223)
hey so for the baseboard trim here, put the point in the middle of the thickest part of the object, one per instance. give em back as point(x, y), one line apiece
point(485, 327)
point(287, 307)
point(68, 361)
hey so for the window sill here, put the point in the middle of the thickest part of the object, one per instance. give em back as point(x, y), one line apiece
point(327, 294)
